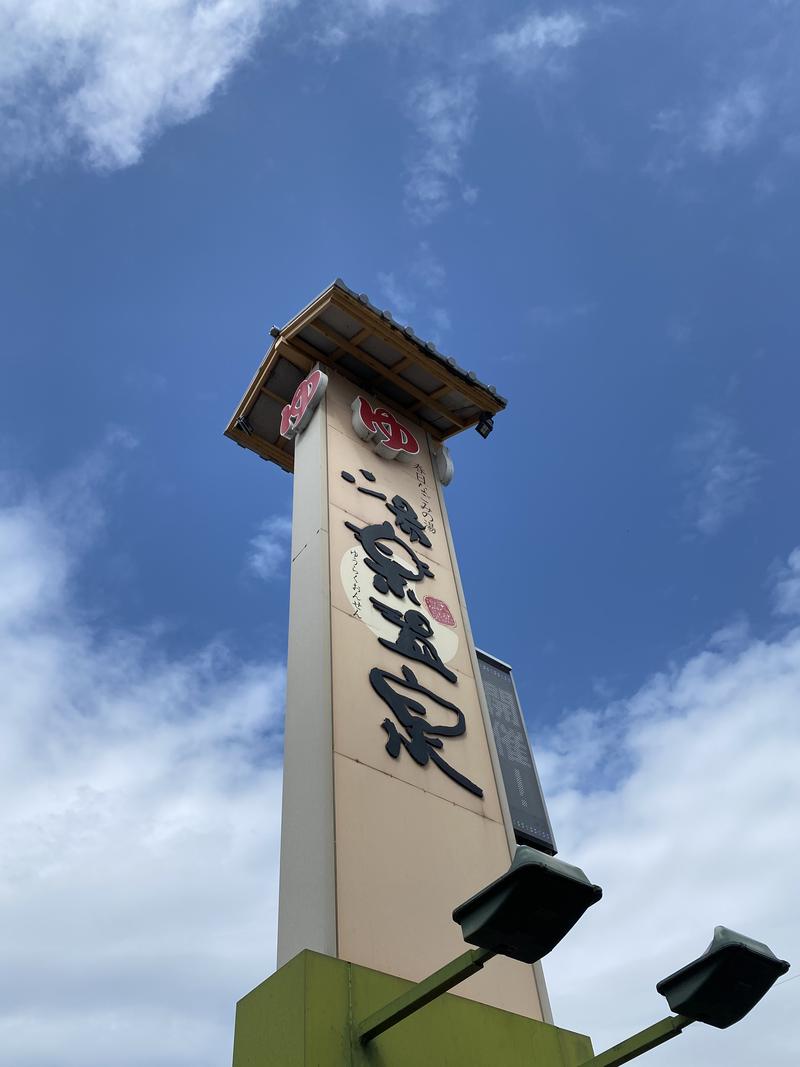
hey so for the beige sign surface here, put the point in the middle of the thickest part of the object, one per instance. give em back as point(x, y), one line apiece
point(417, 818)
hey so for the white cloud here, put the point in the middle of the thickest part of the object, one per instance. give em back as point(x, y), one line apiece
point(426, 279)
point(682, 803)
point(427, 268)
point(721, 472)
point(680, 330)
point(401, 302)
point(537, 40)
point(444, 110)
point(345, 20)
point(102, 80)
point(444, 114)
point(787, 586)
point(555, 317)
point(403, 7)
point(139, 814)
point(440, 317)
point(734, 120)
point(269, 548)
point(139, 801)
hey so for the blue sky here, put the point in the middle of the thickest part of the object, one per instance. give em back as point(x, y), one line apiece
point(593, 206)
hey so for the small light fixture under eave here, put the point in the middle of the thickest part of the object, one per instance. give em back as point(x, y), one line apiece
point(485, 424)
point(243, 425)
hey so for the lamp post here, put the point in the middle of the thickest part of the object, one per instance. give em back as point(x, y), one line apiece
point(528, 910)
point(719, 988)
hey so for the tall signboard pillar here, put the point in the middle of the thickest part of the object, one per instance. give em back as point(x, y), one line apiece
point(394, 809)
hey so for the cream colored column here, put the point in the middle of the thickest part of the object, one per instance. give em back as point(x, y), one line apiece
point(307, 898)
point(411, 843)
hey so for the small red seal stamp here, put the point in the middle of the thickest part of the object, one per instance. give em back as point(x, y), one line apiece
point(439, 611)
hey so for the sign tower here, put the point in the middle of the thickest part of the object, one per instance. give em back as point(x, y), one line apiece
point(394, 807)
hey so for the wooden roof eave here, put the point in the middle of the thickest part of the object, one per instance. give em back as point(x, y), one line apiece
point(277, 349)
point(263, 448)
point(290, 346)
point(395, 335)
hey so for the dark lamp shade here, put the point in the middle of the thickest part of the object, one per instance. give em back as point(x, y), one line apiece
point(529, 909)
point(721, 986)
point(485, 424)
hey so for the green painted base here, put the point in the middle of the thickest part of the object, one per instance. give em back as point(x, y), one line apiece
point(306, 1015)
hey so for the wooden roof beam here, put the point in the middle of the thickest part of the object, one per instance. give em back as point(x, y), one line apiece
point(480, 397)
point(386, 372)
point(428, 426)
point(264, 448)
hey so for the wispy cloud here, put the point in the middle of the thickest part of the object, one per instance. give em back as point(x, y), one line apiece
point(553, 317)
point(444, 113)
point(538, 40)
point(423, 283)
point(444, 109)
point(269, 547)
point(101, 80)
point(339, 22)
point(741, 102)
point(786, 590)
point(427, 268)
point(440, 317)
point(680, 330)
point(401, 302)
point(139, 816)
point(720, 472)
point(734, 120)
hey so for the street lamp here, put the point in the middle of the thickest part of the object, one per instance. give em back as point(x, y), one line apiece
point(527, 911)
point(523, 914)
point(719, 988)
point(726, 982)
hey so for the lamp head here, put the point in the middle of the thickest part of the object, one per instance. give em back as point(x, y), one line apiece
point(529, 909)
point(726, 982)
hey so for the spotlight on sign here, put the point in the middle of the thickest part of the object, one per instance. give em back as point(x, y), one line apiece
point(485, 424)
point(726, 982)
point(528, 910)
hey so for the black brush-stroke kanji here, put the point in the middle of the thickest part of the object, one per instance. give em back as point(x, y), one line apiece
point(414, 639)
point(424, 738)
point(390, 573)
point(406, 519)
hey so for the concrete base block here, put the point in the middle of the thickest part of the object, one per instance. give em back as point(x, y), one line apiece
point(305, 1015)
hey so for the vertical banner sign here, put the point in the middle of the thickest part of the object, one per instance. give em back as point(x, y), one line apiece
point(417, 819)
point(523, 790)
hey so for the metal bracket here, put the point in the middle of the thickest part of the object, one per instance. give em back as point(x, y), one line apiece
point(423, 993)
point(640, 1043)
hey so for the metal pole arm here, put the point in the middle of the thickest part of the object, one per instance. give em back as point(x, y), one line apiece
point(423, 993)
point(640, 1043)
